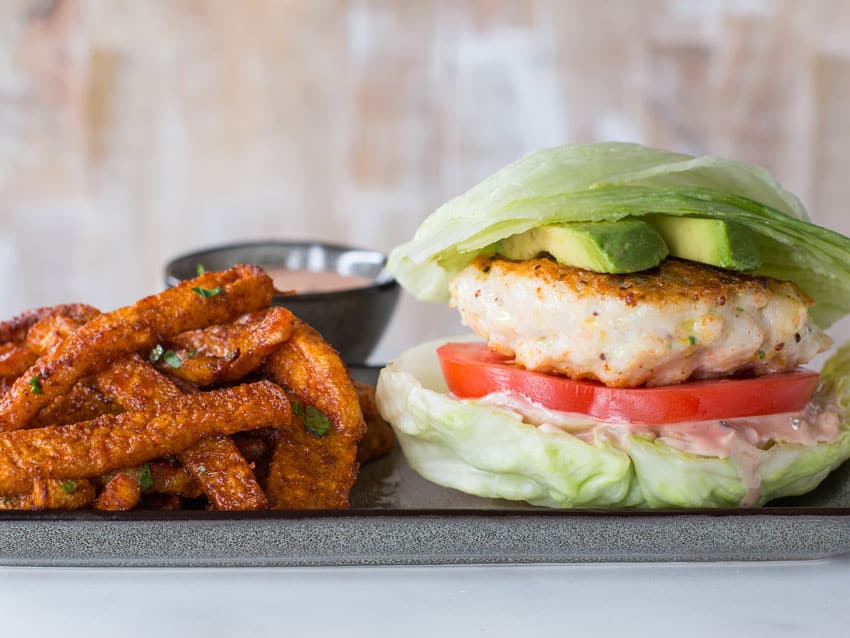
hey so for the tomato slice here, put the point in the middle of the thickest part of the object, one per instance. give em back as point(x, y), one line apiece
point(471, 371)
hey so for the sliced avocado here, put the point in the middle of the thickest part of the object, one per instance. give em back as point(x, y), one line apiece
point(627, 245)
point(709, 241)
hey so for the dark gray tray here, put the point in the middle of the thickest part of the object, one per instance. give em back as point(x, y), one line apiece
point(398, 518)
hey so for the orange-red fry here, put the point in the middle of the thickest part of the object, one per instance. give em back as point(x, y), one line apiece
point(112, 442)
point(166, 477)
point(120, 494)
point(15, 330)
point(83, 403)
point(137, 328)
point(224, 475)
point(221, 354)
point(310, 471)
point(172, 478)
point(15, 359)
point(218, 468)
point(52, 494)
point(136, 385)
point(57, 324)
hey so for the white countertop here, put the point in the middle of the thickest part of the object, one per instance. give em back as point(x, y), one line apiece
point(708, 599)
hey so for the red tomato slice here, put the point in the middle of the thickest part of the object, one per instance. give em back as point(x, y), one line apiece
point(471, 371)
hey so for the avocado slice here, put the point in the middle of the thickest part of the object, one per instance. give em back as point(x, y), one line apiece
point(627, 245)
point(709, 241)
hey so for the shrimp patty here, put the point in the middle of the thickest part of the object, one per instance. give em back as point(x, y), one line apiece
point(655, 327)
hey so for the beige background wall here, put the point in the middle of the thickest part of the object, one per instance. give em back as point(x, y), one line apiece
point(133, 130)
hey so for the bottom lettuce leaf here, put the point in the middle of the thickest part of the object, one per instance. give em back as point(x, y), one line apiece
point(490, 452)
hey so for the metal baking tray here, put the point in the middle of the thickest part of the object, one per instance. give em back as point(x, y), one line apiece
point(398, 518)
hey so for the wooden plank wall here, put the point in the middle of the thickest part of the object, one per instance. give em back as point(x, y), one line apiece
point(133, 130)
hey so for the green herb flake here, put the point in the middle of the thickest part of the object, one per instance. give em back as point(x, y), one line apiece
point(297, 408)
point(69, 487)
point(316, 422)
point(761, 354)
point(172, 359)
point(190, 354)
point(692, 339)
point(5, 501)
point(156, 353)
point(200, 269)
point(35, 385)
point(203, 469)
point(145, 478)
point(207, 292)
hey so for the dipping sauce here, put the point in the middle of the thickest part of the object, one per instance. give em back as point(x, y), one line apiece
point(309, 281)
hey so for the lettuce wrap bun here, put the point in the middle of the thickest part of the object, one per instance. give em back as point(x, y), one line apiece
point(491, 449)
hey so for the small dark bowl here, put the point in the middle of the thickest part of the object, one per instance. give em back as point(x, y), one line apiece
point(351, 320)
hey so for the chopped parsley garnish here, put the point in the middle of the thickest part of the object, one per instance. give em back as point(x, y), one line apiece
point(692, 339)
point(156, 353)
point(207, 292)
point(314, 421)
point(202, 469)
point(69, 487)
point(172, 359)
point(200, 269)
point(35, 385)
point(761, 354)
point(190, 354)
point(145, 478)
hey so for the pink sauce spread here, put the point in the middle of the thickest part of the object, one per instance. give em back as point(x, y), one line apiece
point(308, 281)
point(738, 439)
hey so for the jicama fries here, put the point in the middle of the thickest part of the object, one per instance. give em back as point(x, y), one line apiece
point(137, 407)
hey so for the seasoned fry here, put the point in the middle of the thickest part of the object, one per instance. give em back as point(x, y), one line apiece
point(220, 354)
point(15, 359)
point(165, 477)
point(15, 330)
point(56, 324)
point(112, 442)
point(121, 493)
point(311, 471)
point(224, 475)
point(173, 479)
point(135, 328)
point(216, 464)
point(83, 403)
point(16, 355)
point(52, 494)
point(136, 385)
point(16, 502)
point(379, 438)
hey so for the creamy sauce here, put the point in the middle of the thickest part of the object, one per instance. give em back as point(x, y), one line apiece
point(309, 281)
point(738, 439)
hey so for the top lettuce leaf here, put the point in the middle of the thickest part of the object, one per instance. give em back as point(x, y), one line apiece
point(609, 181)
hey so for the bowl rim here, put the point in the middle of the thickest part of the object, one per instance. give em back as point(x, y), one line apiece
point(375, 286)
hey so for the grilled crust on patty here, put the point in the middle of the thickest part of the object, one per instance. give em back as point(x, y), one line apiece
point(655, 327)
point(674, 281)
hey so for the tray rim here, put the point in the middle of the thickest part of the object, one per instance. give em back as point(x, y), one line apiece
point(374, 537)
point(455, 513)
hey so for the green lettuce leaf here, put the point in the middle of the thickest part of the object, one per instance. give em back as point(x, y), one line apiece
point(486, 451)
point(609, 181)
